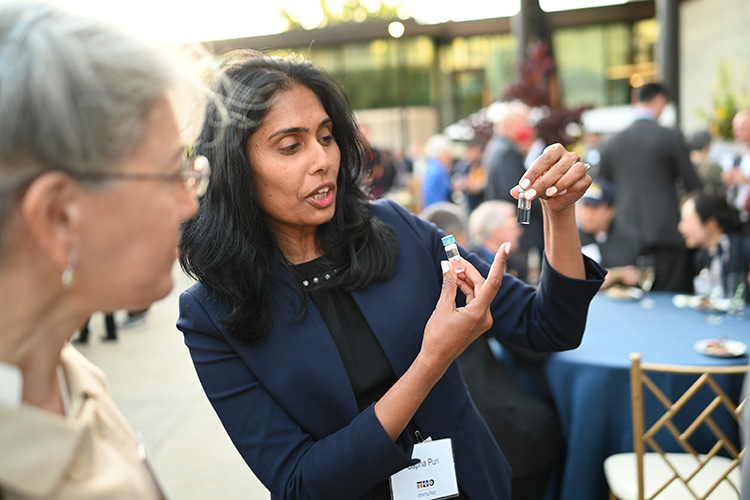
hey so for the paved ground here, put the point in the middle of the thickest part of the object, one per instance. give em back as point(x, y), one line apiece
point(153, 382)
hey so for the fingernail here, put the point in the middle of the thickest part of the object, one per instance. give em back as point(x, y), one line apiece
point(525, 183)
point(445, 266)
point(551, 191)
point(504, 248)
point(563, 192)
point(530, 194)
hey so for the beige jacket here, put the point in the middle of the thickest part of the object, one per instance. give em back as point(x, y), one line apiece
point(90, 454)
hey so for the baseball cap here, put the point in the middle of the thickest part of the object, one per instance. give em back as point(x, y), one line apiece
point(600, 192)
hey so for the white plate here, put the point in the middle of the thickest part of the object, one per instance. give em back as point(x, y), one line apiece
point(712, 347)
point(624, 293)
point(701, 303)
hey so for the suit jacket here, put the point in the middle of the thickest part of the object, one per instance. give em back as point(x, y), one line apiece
point(645, 162)
point(505, 167)
point(92, 454)
point(287, 402)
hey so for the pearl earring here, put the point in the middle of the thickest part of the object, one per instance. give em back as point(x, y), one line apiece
point(68, 278)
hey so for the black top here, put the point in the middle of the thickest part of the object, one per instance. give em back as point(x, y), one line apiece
point(369, 371)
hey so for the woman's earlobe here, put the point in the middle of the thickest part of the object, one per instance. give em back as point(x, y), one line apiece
point(50, 214)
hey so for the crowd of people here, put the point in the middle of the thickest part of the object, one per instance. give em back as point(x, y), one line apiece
point(642, 177)
point(329, 383)
point(660, 203)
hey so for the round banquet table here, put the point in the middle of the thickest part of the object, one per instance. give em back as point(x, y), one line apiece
point(591, 386)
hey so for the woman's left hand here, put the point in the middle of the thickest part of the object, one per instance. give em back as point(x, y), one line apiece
point(557, 177)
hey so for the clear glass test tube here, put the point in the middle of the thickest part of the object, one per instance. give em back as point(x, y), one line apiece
point(523, 212)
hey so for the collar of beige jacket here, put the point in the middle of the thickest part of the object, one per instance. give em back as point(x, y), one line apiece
point(39, 446)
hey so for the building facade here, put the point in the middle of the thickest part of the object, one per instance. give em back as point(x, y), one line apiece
point(405, 89)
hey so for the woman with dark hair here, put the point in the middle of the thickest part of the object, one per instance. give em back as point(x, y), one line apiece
point(709, 224)
point(314, 327)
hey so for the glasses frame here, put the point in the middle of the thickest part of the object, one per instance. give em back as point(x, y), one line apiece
point(195, 172)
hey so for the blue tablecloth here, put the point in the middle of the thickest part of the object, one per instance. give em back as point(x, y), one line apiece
point(591, 386)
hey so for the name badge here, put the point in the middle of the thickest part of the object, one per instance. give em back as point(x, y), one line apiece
point(433, 477)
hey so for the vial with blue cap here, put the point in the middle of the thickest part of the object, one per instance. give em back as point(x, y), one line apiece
point(451, 250)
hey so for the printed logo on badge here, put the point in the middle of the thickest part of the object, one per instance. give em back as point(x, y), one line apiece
point(433, 477)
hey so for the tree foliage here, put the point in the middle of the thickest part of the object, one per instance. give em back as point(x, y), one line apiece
point(536, 86)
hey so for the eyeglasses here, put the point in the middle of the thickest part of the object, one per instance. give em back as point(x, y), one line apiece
point(195, 172)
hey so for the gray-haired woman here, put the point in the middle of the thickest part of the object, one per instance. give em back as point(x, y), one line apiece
point(94, 184)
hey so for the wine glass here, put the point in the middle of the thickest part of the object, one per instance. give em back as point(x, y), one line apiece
point(736, 285)
point(646, 282)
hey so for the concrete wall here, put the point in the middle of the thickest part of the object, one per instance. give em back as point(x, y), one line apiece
point(712, 32)
point(384, 127)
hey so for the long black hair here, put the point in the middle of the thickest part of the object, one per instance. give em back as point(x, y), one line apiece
point(229, 246)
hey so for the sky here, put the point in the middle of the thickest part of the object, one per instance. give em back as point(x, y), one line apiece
point(204, 20)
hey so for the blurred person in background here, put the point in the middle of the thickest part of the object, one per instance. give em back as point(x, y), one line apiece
point(504, 155)
point(449, 218)
point(736, 175)
point(135, 319)
point(599, 241)
point(490, 225)
point(649, 165)
point(537, 144)
point(709, 170)
point(592, 141)
point(472, 174)
point(109, 324)
point(712, 227)
point(94, 185)
point(436, 180)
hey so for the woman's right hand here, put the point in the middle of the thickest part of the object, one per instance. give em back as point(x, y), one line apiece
point(448, 332)
point(451, 329)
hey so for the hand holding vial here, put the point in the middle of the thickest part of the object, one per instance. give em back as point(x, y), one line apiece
point(451, 329)
point(557, 177)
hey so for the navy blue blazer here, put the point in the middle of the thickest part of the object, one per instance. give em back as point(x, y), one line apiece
point(287, 403)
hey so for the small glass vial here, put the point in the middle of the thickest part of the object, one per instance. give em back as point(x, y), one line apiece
point(451, 250)
point(524, 208)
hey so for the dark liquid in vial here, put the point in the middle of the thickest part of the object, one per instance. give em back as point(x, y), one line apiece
point(524, 216)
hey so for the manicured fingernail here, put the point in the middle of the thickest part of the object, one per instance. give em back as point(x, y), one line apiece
point(525, 183)
point(507, 247)
point(445, 266)
point(531, 194)
point(551, 191)
point(563, 192)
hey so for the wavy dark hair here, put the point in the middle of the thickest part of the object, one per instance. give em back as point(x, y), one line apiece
point(229, 246)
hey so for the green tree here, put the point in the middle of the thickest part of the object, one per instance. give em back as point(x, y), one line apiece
point(726, 101)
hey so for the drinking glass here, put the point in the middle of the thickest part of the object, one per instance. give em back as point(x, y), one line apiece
point(646, 282)
point(736, 285)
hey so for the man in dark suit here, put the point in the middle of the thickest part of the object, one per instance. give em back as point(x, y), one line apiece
point(647, 163)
